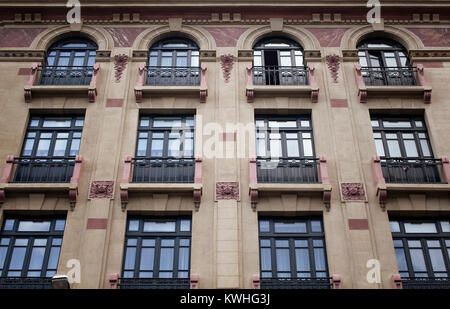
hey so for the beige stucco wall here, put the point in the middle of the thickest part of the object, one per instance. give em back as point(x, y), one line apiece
point(225, 250)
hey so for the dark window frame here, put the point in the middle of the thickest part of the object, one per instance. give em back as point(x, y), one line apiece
point(423, 238)
point(59, 47)
point(291, 237)
point(160, 48)
point(395, 48)
point(157, 236)
point(293, 46)
point(31, 236)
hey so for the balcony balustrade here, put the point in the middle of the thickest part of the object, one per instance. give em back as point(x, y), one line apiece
point(392, 76)
point(276, 75)
point(29, 283)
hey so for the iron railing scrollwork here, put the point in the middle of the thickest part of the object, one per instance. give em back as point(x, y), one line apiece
point(25, 283)
point(287, 170)
point(280, 75)
point(425, 283)
point(65, 75)
point(173, 76)
point(296, 283)
point(163, 170)
point(389, 76)
point(154, 283)
point(43, 170)
point(411, 170)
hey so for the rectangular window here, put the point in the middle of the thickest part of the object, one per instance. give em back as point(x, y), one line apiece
point(422, 250)
point(292, 253)
point(165, 149)
point(30, 247)
point(405, 150)
point(157, 253)
point(285, 149)
point(49, 149)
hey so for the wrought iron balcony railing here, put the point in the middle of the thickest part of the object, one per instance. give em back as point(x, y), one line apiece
point(296, 283)
point(287, 170)
point(389, 76)
point(43, 170)
point(425, 283)
point(173, 76)
point(154, 283)
point(163, 170)
point(411, 170)
point(25, 283)
point(278, 75)
point(65, 75)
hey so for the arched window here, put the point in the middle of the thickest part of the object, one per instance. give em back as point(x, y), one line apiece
point(174, 62)
point(385, 62)
point(72, 52)
point(278, 61)
point(69, 62)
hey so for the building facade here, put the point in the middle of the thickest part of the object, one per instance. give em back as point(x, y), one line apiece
point(232, 144)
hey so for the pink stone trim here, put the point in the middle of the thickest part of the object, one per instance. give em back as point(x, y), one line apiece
point(256, 281)
point(324, 178)
point(31, 81)
point(140, 82)
point(126, 176)
point(362, 92)
point(97, 224)
point(197, 196)
point(396, 281)
point(73, 193)
point(333, 66)
point(8, 169)
point(226, 62)
point(194, 281)
point(120, 64)
point(379, 180)
point(446, 170)
point(92, 93)
point(250, 93)
point(423, 82)
point(113, 281)
point(313, 83)
point(253, 180)
point(336, 282)
point(203, 84)
point(358, 224)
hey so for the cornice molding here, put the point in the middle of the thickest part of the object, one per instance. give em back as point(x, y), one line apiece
point(25, 55)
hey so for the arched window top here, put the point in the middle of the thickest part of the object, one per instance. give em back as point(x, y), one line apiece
point(72, 52)
point(175, 44)
point(380, 44)
point(277, 43)
point(74, 44)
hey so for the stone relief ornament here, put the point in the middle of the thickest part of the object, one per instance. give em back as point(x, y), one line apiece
point(226, 62)
point(101, 189)
point(120, 63)
point(227, 191)
point(353, 192)
point(333, 65)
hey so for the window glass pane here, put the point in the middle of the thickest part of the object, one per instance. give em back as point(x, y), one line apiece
point(60, 148)
point(425, 150)
point(130, 257)
point(166, 260)
point(147, 258)
point(157, 148)
point(133, 225)
point(375, 123)
point(43, 147)
point(264, 226)
point(380, 147)
point(56, 123)
point(74, 147)
point(195, 61)
point(396, 124)
point(59, 225)
point(302, 259)
point(185, 225)
point(275, 148)
point(154, 226)
point(148, 242)
point(8, 225)
point(292, 148)
point(445, 225)
point(17, 259)
point(395, 227)
point(183, 259)
point(285, 61)
point(167, 242)
point(28, 148)
point(304, 123)
point(401, 259)
point(266, 261)
point(33, 226)
point(184, 242)
point(37, 258)
point(165, 122)
point(437, 260)
point(417, 260)
point(283, 260)
point(307, 148)
point(316, 226)
point(290, 227)
point(319, 258)
point(394, 148)
point(3, 251)
point(144, 122)
point(53, 258)
point(142, 147)
point(420, 228)
point(283, 124)
point(411, 149)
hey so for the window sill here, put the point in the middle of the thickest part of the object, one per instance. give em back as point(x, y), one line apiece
point(379, 91)
point(283, 90)
point(291, 187)
point(160, 187)
point(140, 91)
point(90, 91)
point(408, 187)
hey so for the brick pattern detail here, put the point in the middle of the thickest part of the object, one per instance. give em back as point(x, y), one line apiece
point(114, 102)
point(353, 192)
point(339, 103)
point(358, 224)
point(101, 189)
point(227, 191)
point(97, 224)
